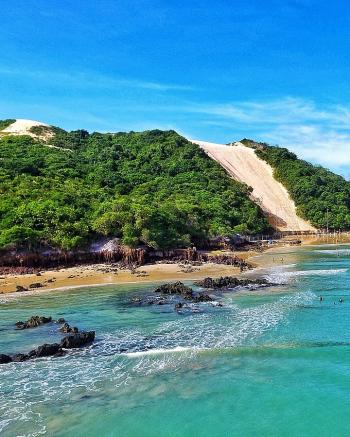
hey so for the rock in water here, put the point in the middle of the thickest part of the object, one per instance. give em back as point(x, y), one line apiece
point(66, 329)
point(4, 359)
point(33, 322)
point(231, 282)
point(175, 288)
point(77, 340)
point(182, 290)
point(20, 357)
point(46, 350)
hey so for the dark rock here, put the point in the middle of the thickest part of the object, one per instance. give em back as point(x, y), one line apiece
point(47, 350)
point(33, 322)
point(20, 357)
point(19, 288)
point(66, 329)
point(60, 353)
point(228, 282)
point(60, 320)
point(183, 291)
point(4, 359)
point(36, 285)
point(175, 288)
point(77, 340)
point(202, 297)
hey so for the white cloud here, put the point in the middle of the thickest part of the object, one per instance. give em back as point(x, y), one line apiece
point(319, 134)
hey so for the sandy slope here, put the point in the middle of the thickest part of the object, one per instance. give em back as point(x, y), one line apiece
point(242, 164)
point(22, 127)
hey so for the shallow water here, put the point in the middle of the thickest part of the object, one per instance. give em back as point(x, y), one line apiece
point(270, 362)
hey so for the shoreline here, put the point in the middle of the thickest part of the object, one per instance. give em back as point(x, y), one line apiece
point(94, 275)
point(90, 275)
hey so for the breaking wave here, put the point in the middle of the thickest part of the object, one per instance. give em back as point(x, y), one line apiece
point(337, 252)
point(280, 276)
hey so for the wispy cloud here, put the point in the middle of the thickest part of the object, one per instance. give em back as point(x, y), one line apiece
point(86, 79)
point(317, 133)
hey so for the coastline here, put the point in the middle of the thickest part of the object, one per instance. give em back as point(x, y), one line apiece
point(106, 274)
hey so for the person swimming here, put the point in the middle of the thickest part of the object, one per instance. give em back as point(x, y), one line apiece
point(321, 298)
point(341, 300)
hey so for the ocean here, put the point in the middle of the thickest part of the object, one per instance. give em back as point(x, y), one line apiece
point(269, 362)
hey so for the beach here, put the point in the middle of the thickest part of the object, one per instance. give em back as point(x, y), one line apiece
point(104, 274)
point(100, 274)
point(263, 352)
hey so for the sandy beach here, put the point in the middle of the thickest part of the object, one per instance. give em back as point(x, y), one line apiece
point(103, 274)
point(99, 274)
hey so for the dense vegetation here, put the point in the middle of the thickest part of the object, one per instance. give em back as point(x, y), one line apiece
point(5, 123)
point(321, 196)
point(153, 187)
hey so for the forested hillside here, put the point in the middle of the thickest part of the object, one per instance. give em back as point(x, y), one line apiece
point(321, 196)
point(152, 187)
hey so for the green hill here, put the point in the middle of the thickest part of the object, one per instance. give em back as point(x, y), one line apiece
point(153, 188)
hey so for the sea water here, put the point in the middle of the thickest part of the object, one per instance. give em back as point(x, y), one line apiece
point(270, 362)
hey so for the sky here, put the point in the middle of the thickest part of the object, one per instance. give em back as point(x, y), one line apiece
point(275, 70)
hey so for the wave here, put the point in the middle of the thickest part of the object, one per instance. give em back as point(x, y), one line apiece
point(159, 351)
point(117, 360)
point(280, 276)
point(337, 252)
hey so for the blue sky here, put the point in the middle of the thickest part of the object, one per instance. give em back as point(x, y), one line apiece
point(273, 70)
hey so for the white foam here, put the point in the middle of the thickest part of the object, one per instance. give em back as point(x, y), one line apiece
point(172, 346)
point(334, 251)
point(158, 351)
point(282, 277)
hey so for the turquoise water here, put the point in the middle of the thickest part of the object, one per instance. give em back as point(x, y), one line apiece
point(272, 362)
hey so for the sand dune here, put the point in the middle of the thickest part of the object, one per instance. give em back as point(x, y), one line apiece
point(22, 127)
point(242, 164)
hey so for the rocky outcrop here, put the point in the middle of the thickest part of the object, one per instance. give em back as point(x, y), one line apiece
point(175, 288)
point(33, 322)
point(66, 328)
point(4, 359)
point(53, 349)
point(178, 288)
point(228, 282)
point(77, 340)
point(182, 290)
